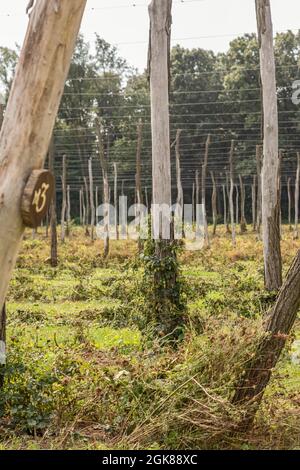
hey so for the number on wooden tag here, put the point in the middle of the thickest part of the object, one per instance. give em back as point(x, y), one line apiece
point(37, 197)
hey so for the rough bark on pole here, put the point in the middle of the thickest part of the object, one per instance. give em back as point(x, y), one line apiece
point(87, 205)
point(146, 199)
point(159, 74)
point(83, 207)
point(243, 222)
point(179, 198)
point(214, 203)
point(30, 114)
point(92, 203)
point(53, 215)
point(297, 182)
point(228, 200)
point(193, 203)
point(158, 64)
point(280, 192)
point(80, 208)
point(203, 191)
point(138, 183)
point(277, 327)
point(289, 194)
point(116, 199)
point(64, 199)
point(259, 191)
point(104, 168)
point(68, 211)
point(270, 203)
point(237, 204)
point(224, 205)
point(231, 206)
point(253, 199)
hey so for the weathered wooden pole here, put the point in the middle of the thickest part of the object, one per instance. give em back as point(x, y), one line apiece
point(86, 194)
point(68, 211)
point(237, 204)
point(270, 203)
point(116, 206)
point(243, 222)
point(80, 209)
point(64, 199)
point(231, 206)
point(138, 183)
point(159, 74)
point(104, 168)
point(214, 203)
point(224, 205)
point(253, 200)
point(179, 198)
point(53, 215)
point(193, 202)
point(30, 115)
point(92, 203)
point(83, 207)
point(289, 195)
point(203, 190)
point(297, 182)
point(259, 190)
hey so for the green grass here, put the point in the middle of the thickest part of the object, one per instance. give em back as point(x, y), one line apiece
point(81, 374)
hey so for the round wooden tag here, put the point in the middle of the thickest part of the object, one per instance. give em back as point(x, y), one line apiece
point(37, 197)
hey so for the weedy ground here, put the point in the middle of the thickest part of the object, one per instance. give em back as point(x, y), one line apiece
point(84, 372)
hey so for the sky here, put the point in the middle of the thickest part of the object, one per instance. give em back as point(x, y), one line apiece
point(209, 24)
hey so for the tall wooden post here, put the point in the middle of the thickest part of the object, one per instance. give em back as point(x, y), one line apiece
point(30, 115)
point(214, 203)
point(203, 190)
point(68, 211)
point(159, 68)
point(53, 215)
point(297, 182)
point(80, 209)
point(225, 206)
point(138, 183)
point(159, 62)
point(237, 204)
point(64, 199)
point(270, 203)
point(104, 168)
point(87, 205)
point(92, 203)
point(253, 199)
point(231, 206)
point(179, 199)
point(116, 206)
point(243, 222)
point(83, 207)
point(289, 194)
point(259, 190)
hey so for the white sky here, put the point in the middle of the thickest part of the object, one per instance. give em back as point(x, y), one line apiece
point(209, 24)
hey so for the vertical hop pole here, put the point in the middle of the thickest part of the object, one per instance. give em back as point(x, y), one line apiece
point(106, 198)
point(159, 74)
point(53, 214)
point(270, 169)
point(64, 199)
point(30, 115)
point(297, 182)
point(92, 203)
point(231, 206)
